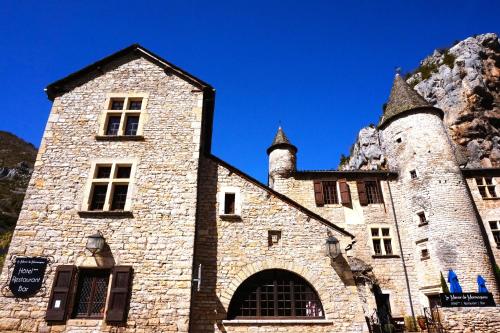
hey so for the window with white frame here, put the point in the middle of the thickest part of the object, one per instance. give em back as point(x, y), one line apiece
point(229, 199)
point(123, 115)
point(381, 240)
point(486, 186)
point(110, 187)
point(495, 230)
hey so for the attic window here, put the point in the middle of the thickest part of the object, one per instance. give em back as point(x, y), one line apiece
point(123, 116)
point(229, 200)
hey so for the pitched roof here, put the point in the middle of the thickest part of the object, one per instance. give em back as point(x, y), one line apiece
point(63, 85)
point(402, 99)
point(281, 141)
point(281, 196)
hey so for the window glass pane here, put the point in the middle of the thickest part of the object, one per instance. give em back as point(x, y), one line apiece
point(330, 192)
point(98, 197)
point(91, 293)
point(376, 246)
point(422, 218)
point(113, 125)
point(135, 104)
point(123, 172)
point(103, 172)
point(488, 180)
point(496, 237)
point(385, 232)
point(229, 199)
point(493, 225)
point(491, 189)
point(132, 125)
point(373, 193)
point(117, 104)
point(374, 231)
point(482, 190)
point(387, 246)
point(119, 197)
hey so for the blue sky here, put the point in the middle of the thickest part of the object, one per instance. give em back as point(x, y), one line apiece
point(321, 68)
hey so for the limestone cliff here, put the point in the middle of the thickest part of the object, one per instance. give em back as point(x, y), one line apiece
point(463, 81)
point(16, 165)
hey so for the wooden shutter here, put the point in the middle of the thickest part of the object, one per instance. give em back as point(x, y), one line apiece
point(119, 296)
point(363, 199)
point(345, 194)
point(60, 294)
point(318, 193)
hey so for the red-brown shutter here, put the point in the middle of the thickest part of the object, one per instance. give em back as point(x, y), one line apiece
point(59, 296)
point(363, 199)
point(345, 194)
point(119, 296)
point(318, 193)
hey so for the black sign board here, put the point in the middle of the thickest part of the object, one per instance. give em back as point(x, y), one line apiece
point(27, 276)
point(467, 300)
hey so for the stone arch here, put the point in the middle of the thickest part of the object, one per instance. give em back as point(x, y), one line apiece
point(227, 294)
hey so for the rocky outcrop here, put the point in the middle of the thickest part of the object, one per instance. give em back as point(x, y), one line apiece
point(463, 81)
point(16, 165)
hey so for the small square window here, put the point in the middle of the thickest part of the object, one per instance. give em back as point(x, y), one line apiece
point(135, 104)
point(398, 140)
point(103, 172)
point(123, 171)
point(413, 174)
point(229, 203)
point(421, 218)
point(424, 254)
point(117, 104)
point(273, 237)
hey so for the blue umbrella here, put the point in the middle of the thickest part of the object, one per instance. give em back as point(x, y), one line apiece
point(481, 285)
point(454, 285)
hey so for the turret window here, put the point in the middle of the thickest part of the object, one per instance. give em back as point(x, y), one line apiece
point(486, 186)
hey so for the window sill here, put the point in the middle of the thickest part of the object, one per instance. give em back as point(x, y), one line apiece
point(84, 322)
point(105, 213)
point(490, 198)
point(278, 322)
point(119, 137)
point(230, 216)
point(423, 224)
point(380, 256)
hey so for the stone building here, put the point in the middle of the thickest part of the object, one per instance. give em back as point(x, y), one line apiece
point(185, 242)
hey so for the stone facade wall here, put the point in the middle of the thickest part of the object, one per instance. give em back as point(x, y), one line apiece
point(282, 163)
point(453, 235)
point(470, 320)
point(231, 249)
point(358, 220)
point(489, 209)
point(157, 241)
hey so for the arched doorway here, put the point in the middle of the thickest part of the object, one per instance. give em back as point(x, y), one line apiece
point(275, 293)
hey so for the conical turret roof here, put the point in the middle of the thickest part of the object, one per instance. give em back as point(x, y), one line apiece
point(402, 98)
point(281, 141)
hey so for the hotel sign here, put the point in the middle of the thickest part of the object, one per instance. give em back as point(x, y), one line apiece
point(467, 300)
point(27, 277)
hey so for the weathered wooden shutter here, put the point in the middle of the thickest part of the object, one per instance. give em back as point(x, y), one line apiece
point(119, 296)
point(345, 194)
point(318, 193)
point(363, 199)
point(60, 294)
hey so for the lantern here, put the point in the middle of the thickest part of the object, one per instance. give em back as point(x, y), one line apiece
point(95, 243)
point(332, 247)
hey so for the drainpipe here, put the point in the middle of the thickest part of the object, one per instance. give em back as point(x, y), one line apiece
point(401, 249)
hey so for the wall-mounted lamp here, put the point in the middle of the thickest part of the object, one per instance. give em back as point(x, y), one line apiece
point(95, 243)
point(332, 247)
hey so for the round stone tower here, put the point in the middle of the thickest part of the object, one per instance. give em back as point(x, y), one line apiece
point(282, 158)
point(434, 209)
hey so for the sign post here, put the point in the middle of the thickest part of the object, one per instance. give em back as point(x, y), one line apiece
point(27, 277)
point(449, 300)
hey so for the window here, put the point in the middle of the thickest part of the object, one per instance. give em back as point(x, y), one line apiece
point(424, 254)
point(91, 291)
point(381, 239)
point(413, 174)
point(495, 230)
point(275, 294)
point(422, 219)
point(123, 115)
point(330, 192)
point(229, 199)
point(486, 186)
point(110, 187)
point(273, 237)
point(373, 192)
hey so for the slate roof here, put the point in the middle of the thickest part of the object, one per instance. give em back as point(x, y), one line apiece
point(281, 141)
point(403, 98)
